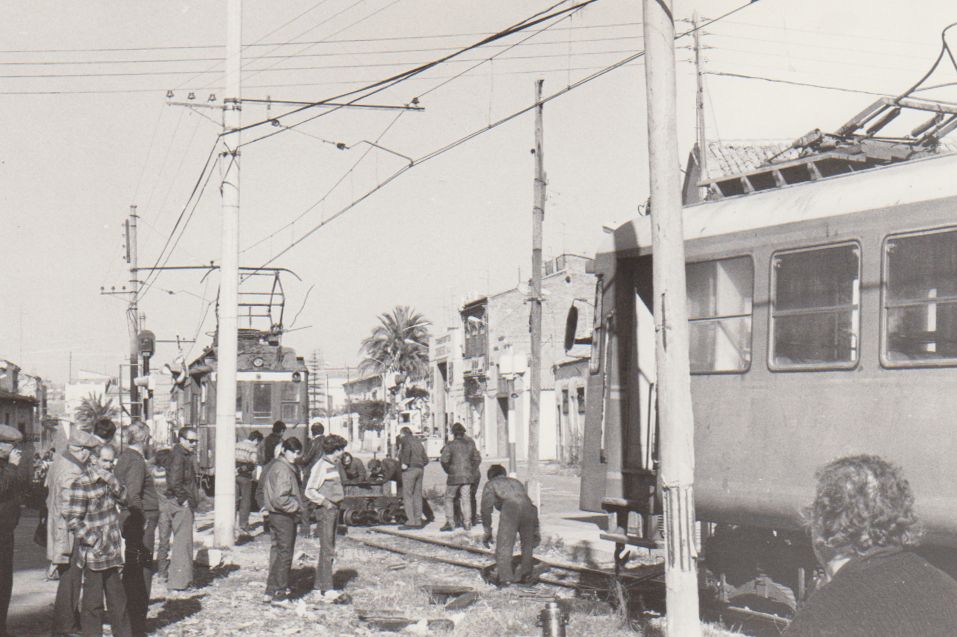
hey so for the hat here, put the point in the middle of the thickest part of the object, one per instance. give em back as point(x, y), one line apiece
point(9, 434)
point(80, 438)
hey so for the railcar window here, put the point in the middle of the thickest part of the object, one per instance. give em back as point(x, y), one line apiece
point(262, 400)
point(720, 295)
point(920, 299)
point(815, 307)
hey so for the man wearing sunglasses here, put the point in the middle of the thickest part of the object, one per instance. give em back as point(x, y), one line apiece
point(182, 497)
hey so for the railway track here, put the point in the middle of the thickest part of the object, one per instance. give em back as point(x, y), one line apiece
point(606, 584)
point(554, 573)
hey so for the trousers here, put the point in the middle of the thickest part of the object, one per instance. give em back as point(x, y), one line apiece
point(462, 492)
point(244, 488)
point(66, 618)
point(139, 531)
point(412, 495)
point(281, 551)
point(6, 577)
point(96, 585)
point(328, 519)
point(181, 553)
point(164, 530)
point(517, 519)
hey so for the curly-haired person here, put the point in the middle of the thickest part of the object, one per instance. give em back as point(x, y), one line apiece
point(862, 523)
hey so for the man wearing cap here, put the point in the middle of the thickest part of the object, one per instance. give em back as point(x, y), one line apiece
point(64, 471)
point(182, 497)
point(12, 487)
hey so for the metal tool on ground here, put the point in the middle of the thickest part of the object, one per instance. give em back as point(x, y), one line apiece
point(553, 619)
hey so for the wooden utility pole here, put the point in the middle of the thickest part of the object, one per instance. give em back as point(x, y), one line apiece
point(133, 310)
point(676, 421)
point(535, 365)
point(227, 338)
point(702, 140)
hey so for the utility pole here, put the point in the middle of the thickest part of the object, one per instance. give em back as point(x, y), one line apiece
point(676, 420)
point(702, 140)
point(535, 367)
point(227, 338)
point(134, 316)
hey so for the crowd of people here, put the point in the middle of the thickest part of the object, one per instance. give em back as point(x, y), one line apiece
point(119, 513)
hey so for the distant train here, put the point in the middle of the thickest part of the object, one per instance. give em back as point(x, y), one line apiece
point(271, 385)
point(823, 322)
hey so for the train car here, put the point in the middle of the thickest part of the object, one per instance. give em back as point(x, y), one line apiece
point(823, 322)
point(271, 385)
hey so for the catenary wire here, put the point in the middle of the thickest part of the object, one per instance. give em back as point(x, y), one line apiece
point(462, 140)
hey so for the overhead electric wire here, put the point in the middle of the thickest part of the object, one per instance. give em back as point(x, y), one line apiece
point(332, 188)
point(476, 133)
point(386, 83)
point(199, 181)
point(433, 36)
point(328, 67)
point(306, 47)
point(795, 83)
point(340, 53)
point(156, 272)
point(263, 37)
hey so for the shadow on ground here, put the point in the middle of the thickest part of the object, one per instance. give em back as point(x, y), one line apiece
point(175, 610)
point(203, 577)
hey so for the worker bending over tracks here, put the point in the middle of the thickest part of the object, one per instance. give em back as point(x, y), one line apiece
point(518, 517)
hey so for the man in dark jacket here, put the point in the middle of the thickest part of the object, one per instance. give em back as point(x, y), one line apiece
point(283, 498)
point(861, 522)
point(182, 497)
point(389, 469)
point(12, 488)
point(412, 458)
point(139, 514)
point(273, 441)
point(518, 517)
point(458, 460)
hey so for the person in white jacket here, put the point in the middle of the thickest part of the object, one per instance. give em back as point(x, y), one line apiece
point(324, 490)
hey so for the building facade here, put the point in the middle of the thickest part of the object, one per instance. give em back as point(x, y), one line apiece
point(492, 385)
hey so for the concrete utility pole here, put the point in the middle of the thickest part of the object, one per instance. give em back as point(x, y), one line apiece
point(535, 366)
point(134, 316)
point(227, 339)
point(702, 140)
point(676, 421)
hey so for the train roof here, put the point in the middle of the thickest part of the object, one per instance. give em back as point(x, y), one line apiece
point(924, 179)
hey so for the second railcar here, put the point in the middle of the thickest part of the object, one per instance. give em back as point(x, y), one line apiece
point(823, 322)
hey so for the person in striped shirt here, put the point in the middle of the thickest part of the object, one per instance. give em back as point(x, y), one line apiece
point(325, 491)
point(91, 513)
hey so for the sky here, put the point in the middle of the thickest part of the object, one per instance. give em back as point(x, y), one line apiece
point(88, 131)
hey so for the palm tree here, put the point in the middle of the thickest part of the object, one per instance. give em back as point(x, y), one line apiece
point(92, 408)
point(399, 344)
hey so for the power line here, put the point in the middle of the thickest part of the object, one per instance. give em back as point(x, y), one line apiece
point(252, 72)
point(462, 140)
point(160, 90)
point(154, 273)
point(212, 66)
point(387, 83)
point(318, 42)
point(335, 53)
point(794, 83)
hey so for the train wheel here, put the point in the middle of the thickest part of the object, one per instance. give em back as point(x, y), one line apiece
point(351, 517)
point(384, 516)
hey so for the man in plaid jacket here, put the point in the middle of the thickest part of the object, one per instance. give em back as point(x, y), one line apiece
point(91, 513)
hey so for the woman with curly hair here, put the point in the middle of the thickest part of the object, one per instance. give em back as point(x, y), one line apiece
point(862, 522)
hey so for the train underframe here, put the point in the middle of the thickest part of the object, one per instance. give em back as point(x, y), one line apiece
point(746, 569)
